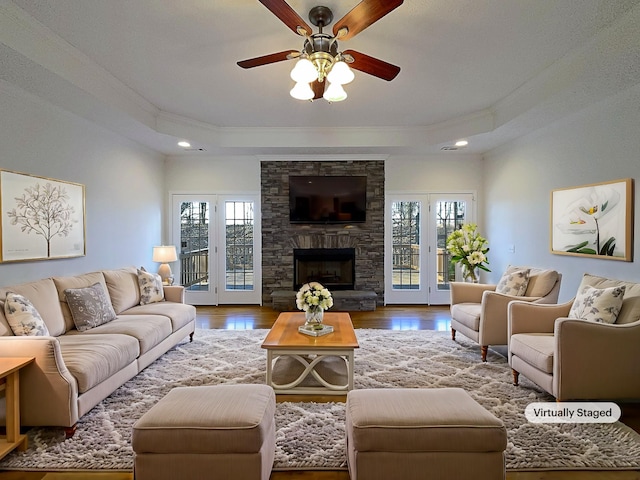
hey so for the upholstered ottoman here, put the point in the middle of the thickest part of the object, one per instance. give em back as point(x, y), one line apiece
point(223, 432)
point(422, 433)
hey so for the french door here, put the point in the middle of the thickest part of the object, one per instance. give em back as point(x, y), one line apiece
point(417, 266)
point(218, 239)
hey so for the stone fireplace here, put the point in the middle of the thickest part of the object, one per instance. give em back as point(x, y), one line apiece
point(281, 239)
point(332, 267)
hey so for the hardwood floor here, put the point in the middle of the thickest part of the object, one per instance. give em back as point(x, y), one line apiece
point(392, 318)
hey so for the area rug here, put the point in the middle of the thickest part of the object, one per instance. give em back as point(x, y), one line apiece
point(311, 436)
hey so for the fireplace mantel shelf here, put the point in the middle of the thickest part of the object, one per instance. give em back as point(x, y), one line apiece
point(343, 300)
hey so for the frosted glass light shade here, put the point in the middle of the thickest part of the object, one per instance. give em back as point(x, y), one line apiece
point(301, 91)
point(304, 71)
point(340, 73)
point(334, 93)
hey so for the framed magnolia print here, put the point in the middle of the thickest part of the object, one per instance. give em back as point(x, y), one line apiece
point(40, 218)
point(593, 220)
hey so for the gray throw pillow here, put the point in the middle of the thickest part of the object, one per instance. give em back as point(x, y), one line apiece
point(89, 306)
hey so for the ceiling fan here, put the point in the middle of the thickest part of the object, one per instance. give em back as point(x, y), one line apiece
point(321, 49)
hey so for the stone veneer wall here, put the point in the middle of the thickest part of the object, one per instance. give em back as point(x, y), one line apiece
point(280, 237)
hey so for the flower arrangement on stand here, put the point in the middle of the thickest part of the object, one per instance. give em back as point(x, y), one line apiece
point(313, 298)
point(468, 248)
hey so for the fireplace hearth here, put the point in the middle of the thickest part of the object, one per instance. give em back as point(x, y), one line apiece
point(332, 267)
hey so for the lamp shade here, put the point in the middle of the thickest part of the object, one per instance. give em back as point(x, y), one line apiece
point(165, 254)
point(340, 73)
point(301, 91)
point(304, 71)
point(334, 93)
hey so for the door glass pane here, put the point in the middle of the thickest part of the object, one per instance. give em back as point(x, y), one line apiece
point(239, 223)
point(405, 217)
point(450, 215)
point(194, 245)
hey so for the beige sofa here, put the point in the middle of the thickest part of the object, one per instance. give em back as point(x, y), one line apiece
point(74, 370)
point(574, 358)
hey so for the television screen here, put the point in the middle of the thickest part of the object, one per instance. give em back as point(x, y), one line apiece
point(331, 199)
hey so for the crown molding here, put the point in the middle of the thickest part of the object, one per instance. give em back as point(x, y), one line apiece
point(322, 158)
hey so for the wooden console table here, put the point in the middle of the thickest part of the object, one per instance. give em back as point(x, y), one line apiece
point(10, 384)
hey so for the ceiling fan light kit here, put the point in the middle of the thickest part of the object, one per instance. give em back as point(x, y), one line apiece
point(319, 59)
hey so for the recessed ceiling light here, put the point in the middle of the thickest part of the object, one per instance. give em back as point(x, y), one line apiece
point(184, 144)
point(462, 143)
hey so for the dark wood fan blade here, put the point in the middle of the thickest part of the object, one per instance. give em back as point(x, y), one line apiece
point(318, 89)
point(266, 59)
point(372, 66)
point(287, 15)
point(363, 15)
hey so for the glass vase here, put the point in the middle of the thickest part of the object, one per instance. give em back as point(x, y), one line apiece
point(470, 274)
point(314, 317)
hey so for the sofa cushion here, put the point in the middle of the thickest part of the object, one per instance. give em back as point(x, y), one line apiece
point(123, 288)
point(514, 281)
point(180, 314)
point(91, 358)
point(541, 282)
point(77, 281)
point(44, 297)
point(468, 314)
point(149, 330)
point(23, 317)
point(600, 305)
point(630, 311)
point(151, 290)
point(89, 306)
point(534, 348)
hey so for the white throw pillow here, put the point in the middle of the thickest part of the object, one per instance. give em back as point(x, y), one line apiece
point(598, 304)
point(23, 317)
point(514, 281)
point(151, 289)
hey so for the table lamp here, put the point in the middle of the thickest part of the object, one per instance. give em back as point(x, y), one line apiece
point(163, 255)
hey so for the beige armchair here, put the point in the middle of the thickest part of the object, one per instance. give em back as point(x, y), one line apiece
point(480, 313)
point(576, 359)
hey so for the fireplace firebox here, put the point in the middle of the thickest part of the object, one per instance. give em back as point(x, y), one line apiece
point(335, 268)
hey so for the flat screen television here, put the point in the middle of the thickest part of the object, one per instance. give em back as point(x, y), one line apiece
point(327, 199)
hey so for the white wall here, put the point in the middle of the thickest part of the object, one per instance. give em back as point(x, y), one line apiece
point(446, 172)
point(124, 183)
point(209, 174)
point(599, 143)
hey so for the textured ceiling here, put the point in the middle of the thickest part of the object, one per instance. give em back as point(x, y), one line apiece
point(159, 70)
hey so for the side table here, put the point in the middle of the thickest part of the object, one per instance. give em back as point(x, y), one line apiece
point(10, 384)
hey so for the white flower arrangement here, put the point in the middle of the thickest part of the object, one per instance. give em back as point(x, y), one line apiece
point(468, 248)
point(313, 296)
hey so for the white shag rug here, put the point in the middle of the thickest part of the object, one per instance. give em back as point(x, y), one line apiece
point(311, 436)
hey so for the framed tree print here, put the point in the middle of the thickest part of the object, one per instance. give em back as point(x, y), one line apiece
point(593, 220)
point(40, 218)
